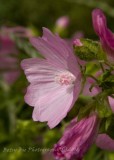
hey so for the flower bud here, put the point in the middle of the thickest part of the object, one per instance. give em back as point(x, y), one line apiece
point(88, 50)
point(77, 138)
point(62, 22)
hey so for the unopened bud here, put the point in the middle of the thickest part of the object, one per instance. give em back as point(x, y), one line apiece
point(62, 22)
point(77, 42)
point(88, 50)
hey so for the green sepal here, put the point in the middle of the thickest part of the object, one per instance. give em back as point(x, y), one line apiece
point(102, 128)
point(102, 106)
point(106, 81)
point(107, 126)
point(90, 50)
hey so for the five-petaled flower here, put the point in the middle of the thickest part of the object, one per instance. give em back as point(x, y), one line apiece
point(55, 82)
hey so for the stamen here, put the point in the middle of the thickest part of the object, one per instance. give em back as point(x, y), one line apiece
point(65, 78)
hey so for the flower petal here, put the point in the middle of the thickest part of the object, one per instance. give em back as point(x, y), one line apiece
point(52, 103)
point(111, 101)
point(39, 70)
point(50, 53)
point(11, 76)
point(95, 90)
point(47, 96)
point(53, 48)
point(99, 22)
point(103, 141)
point(58, 43)
point(73, 65)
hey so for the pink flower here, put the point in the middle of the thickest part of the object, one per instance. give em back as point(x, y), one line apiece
point(77, 138)
point(8, 52)
point(55, 82)
point(63, 22)
point(105, 35)
point(18, 31)
point(8, 61)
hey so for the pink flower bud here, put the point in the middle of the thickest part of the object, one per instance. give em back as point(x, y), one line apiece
point(77, 42)
point(77, 138)
point(105, 35)
point(63, 22)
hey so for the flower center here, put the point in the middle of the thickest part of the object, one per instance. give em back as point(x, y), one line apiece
point(65, 78)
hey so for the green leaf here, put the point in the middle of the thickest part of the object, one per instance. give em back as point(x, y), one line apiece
point(102, 128)
point(106, 80)
point(102, 107)
point(110, 126)
point(86, 110)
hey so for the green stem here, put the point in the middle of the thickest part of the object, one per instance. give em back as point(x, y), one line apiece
point(108, 104)
point(87, 75)
point(83, 84)
point(102, 67)
point(12, 117)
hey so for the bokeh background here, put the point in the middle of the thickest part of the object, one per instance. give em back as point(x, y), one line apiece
point(20, 137)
